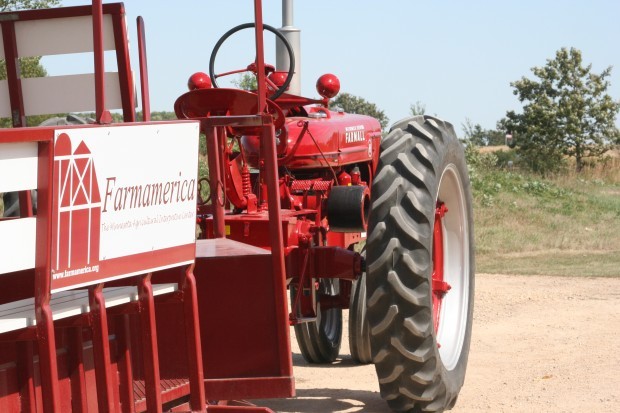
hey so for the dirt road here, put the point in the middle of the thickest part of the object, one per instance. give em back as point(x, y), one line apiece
point(540, 344)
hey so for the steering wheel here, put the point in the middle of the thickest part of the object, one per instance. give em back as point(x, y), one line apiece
point(252, 67)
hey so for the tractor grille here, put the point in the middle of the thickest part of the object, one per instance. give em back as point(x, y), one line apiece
point(310, 185)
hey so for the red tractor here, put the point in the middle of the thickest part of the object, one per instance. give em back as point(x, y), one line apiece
point(110, 303)
point(409, 291)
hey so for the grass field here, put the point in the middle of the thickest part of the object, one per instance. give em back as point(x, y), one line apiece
point(567, 225)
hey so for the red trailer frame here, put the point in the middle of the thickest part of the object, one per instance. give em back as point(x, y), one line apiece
point(71, 376)
point(235, 332)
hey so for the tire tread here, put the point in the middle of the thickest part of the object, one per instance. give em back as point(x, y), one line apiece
point(399, 305)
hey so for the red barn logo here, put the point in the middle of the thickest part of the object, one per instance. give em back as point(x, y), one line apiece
point(77, 209)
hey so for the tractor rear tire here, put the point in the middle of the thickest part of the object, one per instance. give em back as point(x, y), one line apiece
point(11, 203)
point(359, 336)
point(421, 167)
point(319, 341)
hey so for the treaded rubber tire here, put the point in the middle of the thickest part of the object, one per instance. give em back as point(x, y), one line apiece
point(11, 203)
point(413, 375)
point(320, 340)
point(359, 335)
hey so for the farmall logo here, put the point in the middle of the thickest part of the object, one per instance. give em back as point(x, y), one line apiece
point(354, 134)
point(77, 224)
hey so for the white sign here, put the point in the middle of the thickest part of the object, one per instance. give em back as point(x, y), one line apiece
point(123, 191)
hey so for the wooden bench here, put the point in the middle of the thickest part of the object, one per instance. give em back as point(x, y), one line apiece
point(63, 32)
point(21, 314)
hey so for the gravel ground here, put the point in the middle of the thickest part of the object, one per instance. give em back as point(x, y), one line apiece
point(540, 344)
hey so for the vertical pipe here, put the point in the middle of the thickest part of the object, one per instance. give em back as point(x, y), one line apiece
point(101, 349)
point(215, 186)
point(197, 399)
point(100, 112)
point(48, 363)
point(75, 357)
point(125, 75)
point(125, 372)
point(25, 375)
point(293, 35)
point(46, 338)
point(277, 248)
point(222, 137)
point(13, 74)
point(144, 72)
point(260, 56)
point(287, 13)
point(25, 204)
point(149, 344)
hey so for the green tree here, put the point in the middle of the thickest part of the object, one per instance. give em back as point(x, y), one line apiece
point(30, 66)
point(418, 108)
point(478, 136)
point(12, 5)
point(246, 81)
point(163, 115)
point(355, 104)
point(566, 113)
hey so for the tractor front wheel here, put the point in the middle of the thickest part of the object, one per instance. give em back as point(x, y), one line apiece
point(359, 336)
point(420, 266)
point(319, 341)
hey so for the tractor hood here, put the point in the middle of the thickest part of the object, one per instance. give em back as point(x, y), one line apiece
point(342, 138)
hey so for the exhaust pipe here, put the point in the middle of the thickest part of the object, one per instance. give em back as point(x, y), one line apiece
point(293, 35)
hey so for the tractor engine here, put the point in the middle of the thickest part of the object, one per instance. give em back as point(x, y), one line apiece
point(327, 152)
point(326, 158)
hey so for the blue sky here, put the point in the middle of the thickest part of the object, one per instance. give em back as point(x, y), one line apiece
point(456, 57)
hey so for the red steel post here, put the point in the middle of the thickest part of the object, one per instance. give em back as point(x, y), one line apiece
point(215, 181)
point(47, 357)
point(125, 375)
point(101, 115)
point(121, 45)
point(268, 147)
point(25, 372)
point(221, 151)
point(75, 358)
point(194, 346)
point(12, 74)
point(45, 325)
point(25, 204)
point(144, 72)
point(149, 344)
point(101, 349)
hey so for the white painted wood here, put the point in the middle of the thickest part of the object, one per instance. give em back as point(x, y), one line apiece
point(70, 93)
point(18, 166)
point(20, 314)
point(60, 36)
point(17, 244)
